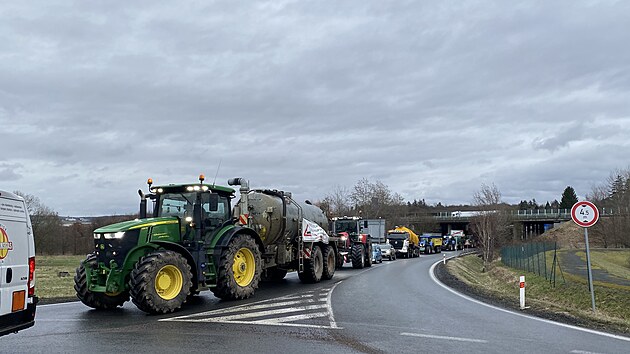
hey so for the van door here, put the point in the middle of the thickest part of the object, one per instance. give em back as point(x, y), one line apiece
point(14, 254)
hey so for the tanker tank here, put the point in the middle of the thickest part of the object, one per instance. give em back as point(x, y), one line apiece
point(275, 215)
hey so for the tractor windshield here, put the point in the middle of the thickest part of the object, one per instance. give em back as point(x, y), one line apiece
point(176, 204)
point(349, 226)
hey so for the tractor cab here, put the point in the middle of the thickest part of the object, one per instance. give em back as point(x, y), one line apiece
point(200, 208)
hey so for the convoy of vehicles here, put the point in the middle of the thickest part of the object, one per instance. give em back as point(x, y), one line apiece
point(354, 245)
point(195, 241)
point(404, 241)
point(17, 265)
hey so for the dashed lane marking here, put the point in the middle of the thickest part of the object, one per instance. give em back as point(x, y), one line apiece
point(473, 340)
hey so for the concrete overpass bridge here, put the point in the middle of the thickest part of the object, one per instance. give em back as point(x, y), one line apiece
point(527, 223)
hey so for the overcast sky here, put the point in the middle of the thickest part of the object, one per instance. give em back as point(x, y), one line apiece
point(433, 98)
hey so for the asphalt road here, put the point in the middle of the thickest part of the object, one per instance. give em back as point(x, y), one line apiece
point(394, 307)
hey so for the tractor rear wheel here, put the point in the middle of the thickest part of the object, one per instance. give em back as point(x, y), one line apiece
point(239, 270)
point(160, 282)
point(314, 267)
point(99, 301)
point(358, 256)
point(330, 259)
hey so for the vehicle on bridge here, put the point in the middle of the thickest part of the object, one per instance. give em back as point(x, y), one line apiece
point(194, 241)
point(354, 244)
point(404, 241)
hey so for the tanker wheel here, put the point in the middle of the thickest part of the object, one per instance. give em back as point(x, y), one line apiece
point(358, 256)
point(339, 261)
point(99, 301)
point(273, 274)
point(330, 262)
point(313, 268)
point(160, 282)
point(239, 270)
point(368, 255)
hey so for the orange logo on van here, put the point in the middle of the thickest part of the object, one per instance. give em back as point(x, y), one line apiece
point(5, 244)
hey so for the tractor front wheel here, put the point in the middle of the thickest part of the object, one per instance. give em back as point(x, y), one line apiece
point(99, 301)
point(160, 282)
point(239, 270)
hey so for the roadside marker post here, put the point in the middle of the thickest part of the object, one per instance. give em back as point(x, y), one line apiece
point(444, 258)
point(521, 286)
point(585, 214)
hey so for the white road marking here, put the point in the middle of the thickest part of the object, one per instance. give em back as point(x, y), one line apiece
point(583, 352)
point(444, 337)
point(258, 314)
point(592, 331)
point(293, 318)
point(282, 311)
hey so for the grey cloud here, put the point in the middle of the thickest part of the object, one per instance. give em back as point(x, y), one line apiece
point(431, 98)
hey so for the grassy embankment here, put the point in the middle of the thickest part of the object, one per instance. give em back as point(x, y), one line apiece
point(571, 298)
point(48, 282)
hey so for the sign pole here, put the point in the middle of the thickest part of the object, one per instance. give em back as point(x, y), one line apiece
point(588, 265)
point(585, 214)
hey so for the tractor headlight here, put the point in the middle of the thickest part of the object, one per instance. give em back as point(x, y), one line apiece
point(97, 236)
point(117, 235)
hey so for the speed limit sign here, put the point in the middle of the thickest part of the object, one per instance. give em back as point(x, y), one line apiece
point(584, 213)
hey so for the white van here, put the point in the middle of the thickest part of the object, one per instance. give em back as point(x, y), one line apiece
point(17, 265)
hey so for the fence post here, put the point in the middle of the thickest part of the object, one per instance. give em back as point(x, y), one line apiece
point(545, 258)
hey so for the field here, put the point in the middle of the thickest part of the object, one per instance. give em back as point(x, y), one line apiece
point(570, 298)
point(51, 281)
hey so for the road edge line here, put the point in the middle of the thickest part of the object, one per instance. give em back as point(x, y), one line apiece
point(592, 331)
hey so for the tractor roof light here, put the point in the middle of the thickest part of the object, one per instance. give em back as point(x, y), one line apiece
point(150, 182)
point(201, 178)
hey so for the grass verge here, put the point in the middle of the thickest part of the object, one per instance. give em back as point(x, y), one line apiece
point(570, 300)
point(54, 277)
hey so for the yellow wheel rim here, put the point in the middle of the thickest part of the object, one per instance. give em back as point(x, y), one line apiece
point(169, 282)
point(244, 267)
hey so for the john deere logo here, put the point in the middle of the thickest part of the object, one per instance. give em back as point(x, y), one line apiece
point(5, 244)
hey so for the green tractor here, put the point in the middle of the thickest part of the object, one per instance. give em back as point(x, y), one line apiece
point(191, 243)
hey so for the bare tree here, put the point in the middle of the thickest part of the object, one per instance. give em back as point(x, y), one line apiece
point(338, 200)
point(373, 198)
point(491, 225)
point(46, 225)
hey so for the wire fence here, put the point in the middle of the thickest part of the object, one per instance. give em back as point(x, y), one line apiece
point(540, 258)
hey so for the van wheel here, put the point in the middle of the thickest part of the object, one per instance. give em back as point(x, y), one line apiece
point(99, 301)
point(160, 282)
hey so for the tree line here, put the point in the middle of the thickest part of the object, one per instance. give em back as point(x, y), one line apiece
point(374, 199)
